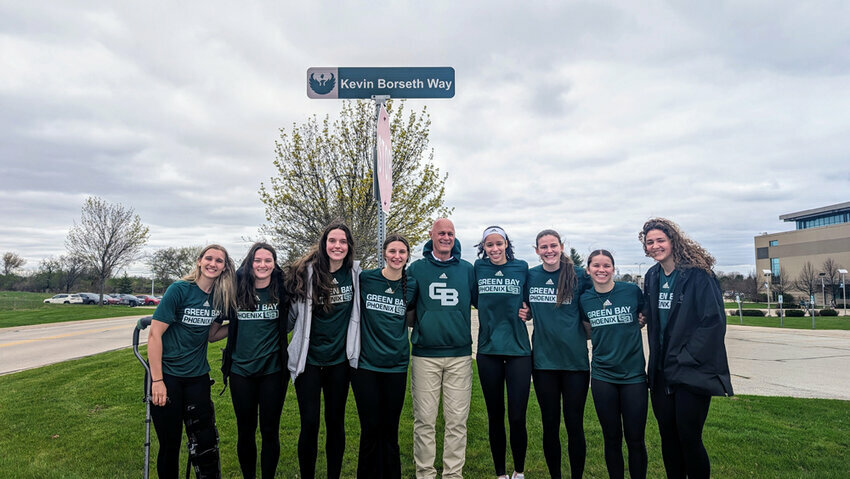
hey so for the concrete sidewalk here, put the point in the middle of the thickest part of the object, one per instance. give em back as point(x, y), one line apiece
point(801, 363)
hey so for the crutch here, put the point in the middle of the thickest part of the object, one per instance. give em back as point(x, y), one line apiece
point(143, 324)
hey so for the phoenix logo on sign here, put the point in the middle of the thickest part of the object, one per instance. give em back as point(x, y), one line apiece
point(322, 83)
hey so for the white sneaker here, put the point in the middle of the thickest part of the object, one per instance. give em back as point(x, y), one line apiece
point(517, 475)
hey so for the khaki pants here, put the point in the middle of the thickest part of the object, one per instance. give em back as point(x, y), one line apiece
point(428, 376)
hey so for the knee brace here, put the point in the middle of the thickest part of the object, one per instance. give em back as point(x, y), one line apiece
point(203, 442)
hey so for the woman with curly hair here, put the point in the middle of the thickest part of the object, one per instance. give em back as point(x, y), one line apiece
point(324, 288)
point(686, 326)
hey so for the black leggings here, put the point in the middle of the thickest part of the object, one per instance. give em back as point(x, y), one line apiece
point(380, 398)
point(309, 385)
point(250, 395)
point(681, 416)
point(168, 420)
point(554, 388)
point(626, 402)
point(495, 372)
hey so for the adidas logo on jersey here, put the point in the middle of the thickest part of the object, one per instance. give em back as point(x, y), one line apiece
point(443, 276)
point(206, 304)
point(549, 281)
point(498, 273)
point(606, 304)
point(666, 286)
point(335, 281)
point(389, 290)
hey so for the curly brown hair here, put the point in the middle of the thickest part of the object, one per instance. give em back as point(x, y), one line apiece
point(687, 253)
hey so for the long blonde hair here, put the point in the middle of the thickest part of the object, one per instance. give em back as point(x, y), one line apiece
point(224, 286)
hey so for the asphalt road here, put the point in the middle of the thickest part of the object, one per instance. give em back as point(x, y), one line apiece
point(763, 361)
point(27, 347)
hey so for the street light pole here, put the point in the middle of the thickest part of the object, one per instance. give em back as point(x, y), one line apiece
point(822, 288)
point(767, 273)
point(843, 291)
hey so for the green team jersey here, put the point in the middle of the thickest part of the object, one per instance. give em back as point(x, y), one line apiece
point(559, 340)
point(445, 291)
point(615, 333)
point(665, 300)
point(384, 345)
point(328, 330)
point(501, 290)
point(188, 312)
point(258, 342)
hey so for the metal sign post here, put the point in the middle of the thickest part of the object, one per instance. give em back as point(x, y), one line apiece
point(382, 169)
point(740, 313)
point(812, 312)
point(781, 318)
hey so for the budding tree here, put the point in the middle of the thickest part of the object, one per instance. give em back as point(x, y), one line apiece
point(324, 172)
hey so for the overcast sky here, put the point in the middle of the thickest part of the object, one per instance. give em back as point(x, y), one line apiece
point(587, 117)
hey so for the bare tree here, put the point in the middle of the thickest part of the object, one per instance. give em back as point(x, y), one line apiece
point(807, 280)
point(169, 264)
point(11, 262)
point(48, 269)
point(72, 268)
point(830, 270)
point(782, 283)
point(108, 237)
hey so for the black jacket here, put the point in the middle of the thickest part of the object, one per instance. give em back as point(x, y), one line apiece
point(694, 352)
point(233, 332)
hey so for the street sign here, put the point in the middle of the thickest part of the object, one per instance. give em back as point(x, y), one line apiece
point(780, 299)
point(396, 82)
point(384, 160)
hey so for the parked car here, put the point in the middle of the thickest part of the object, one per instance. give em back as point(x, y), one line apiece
point(89, 298)
point(107, 299)
point(126, 299)
point(148, 299)
point(65, 299)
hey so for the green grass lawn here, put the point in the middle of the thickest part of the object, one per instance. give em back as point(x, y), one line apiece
point(85, 419)
point(22, 309)
point(821, 322)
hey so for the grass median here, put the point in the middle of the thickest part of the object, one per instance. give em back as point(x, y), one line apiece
point(805, 322)
point(24, 309)
point(85, 419)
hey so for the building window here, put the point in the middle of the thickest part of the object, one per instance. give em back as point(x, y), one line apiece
point(774, 243)
point(774, 267)
point(761, 253)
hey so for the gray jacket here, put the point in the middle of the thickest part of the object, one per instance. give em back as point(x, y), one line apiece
point(301, 319)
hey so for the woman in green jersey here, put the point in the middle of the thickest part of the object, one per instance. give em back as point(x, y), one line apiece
point(323, 286)
point(380, 380)
point(617, 377)
point(255, 359)
point(559, 350)
point(504, 352)
point(177, 352)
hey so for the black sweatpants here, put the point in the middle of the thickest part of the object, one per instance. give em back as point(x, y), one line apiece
point(495, 373)
point(168, 420)
point(253, 397)
point(621, 409)
point(380, 398)
point(681, 416)
point(309, 386)
point(555, 388)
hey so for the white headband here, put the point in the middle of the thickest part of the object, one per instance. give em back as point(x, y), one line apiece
point(494, 230)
